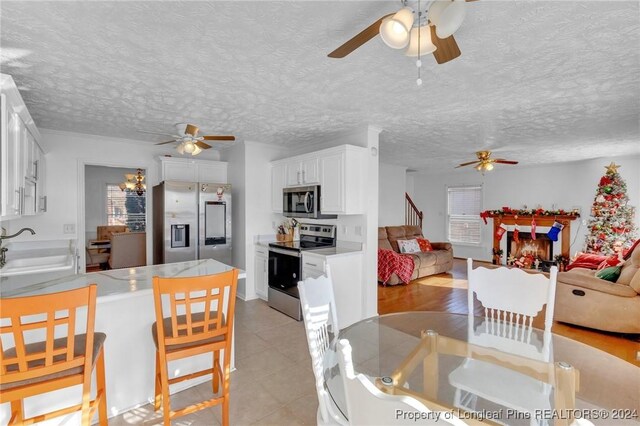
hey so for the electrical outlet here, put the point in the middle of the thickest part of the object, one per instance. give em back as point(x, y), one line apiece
point(584, 222)
point(69, 228)
point(344, 230)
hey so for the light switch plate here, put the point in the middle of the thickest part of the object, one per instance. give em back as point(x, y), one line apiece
point(69, 228)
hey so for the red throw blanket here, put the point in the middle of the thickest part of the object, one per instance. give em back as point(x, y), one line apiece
point(389, 262)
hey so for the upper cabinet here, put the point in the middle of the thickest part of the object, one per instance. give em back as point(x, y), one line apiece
point(188, 170)
point(22, 191)
point(339, 172)
point(303, 172)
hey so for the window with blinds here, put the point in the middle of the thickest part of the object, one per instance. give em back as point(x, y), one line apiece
point(464, 205)
point(126, 208)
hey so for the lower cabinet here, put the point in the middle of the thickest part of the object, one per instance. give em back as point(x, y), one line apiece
point(261, 271)
point(348, 285)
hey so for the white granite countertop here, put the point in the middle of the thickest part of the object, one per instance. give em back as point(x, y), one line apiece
point(116, 282)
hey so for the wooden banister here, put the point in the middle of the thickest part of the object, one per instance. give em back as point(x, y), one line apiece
point(412, 216)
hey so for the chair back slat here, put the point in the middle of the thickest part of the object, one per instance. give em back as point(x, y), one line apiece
point(197, 308)
point(51, 348)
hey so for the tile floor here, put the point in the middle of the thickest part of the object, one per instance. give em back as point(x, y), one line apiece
point(273, 383)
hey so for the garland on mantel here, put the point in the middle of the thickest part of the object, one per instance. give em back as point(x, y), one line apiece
point(527, 212)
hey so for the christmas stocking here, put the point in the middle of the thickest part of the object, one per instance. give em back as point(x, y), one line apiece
point(555, 230)
point(500, 231)
point(533, 228)
point(516, 234)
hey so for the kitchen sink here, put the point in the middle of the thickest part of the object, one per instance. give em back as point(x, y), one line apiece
point(31, 265)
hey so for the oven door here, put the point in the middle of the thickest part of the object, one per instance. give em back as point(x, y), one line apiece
point(300, 202)
point(284, 270)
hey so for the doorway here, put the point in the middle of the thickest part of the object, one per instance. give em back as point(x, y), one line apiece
point(114, 205)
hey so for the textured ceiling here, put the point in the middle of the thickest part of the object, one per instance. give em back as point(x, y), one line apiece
point(537, 81)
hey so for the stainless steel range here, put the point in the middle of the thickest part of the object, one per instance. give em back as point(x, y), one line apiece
point(285, 266)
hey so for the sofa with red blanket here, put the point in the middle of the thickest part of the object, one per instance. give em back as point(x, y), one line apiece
point(436, 261)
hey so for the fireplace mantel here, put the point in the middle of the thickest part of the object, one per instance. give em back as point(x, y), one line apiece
point(525, 220)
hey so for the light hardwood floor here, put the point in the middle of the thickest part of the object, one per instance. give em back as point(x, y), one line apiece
point(443, 296)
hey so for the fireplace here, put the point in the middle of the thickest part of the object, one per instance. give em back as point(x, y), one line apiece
point(540, 248)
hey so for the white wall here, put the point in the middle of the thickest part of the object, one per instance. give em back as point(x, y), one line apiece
point(250, 176)
point(95, 195)
point(391, 190)
point(68, 153)
point(560, 186)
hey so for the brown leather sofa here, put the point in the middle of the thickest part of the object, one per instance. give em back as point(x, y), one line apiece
point(426, 263)
point(583, 299)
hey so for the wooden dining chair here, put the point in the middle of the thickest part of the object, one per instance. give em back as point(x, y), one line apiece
point(196, 317)
point(321, 326)
point(62, 359)
point(368, 405)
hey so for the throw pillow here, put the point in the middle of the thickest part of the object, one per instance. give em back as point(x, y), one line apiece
point(610, 274)
point(609, 261)
point(424, 244)
point(586, 260)
point(408, 246)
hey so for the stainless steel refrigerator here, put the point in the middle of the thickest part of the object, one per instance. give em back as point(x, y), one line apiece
point(191, 221)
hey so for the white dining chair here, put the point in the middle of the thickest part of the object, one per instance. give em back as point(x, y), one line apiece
point(511, 298)
point(321, 326)
point(368, 405)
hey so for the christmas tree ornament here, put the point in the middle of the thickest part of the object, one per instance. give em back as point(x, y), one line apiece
point(500, 231)
point(516, 233)
point(608, 189)
point(555, 231)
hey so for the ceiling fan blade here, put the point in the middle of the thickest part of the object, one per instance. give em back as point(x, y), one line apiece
point(158, 133)
point(203, 145)
point(503, 161)
point(446, 48)
point(219, 138)
point(164, 143)
point(358, 40)
point(467, 164)
point(191, 130)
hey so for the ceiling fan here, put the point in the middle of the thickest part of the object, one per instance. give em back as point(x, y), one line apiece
point(425, 27)
point(485, 162)
point(190, 142)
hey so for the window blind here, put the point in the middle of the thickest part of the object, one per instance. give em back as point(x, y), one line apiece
point(464, 205)
point(126, 208)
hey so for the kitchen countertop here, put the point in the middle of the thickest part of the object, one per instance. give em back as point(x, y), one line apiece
point(116, 283)
point(334, 251)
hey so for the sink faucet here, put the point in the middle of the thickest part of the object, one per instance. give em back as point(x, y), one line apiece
point(4, 236)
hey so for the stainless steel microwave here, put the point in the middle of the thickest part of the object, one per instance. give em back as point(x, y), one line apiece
point(303, 201)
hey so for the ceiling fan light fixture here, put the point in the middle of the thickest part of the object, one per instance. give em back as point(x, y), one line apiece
point(426, 45)
point(447, 16)
point(488, 167)
point(197, 150)
point(180, 148)
point(394, 30)
point(189, 147)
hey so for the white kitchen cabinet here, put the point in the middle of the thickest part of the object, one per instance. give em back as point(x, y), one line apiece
point(20, 154)
point(261, 271)
point(303, 172)
point(341, 181)
point(278, 178)
point(339, 171)
point(191, 170)
point(346, 277)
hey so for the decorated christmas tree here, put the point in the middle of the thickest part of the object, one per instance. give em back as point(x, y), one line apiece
point(611, 224)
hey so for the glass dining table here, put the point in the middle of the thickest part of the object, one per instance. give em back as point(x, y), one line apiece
point(493, 373)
